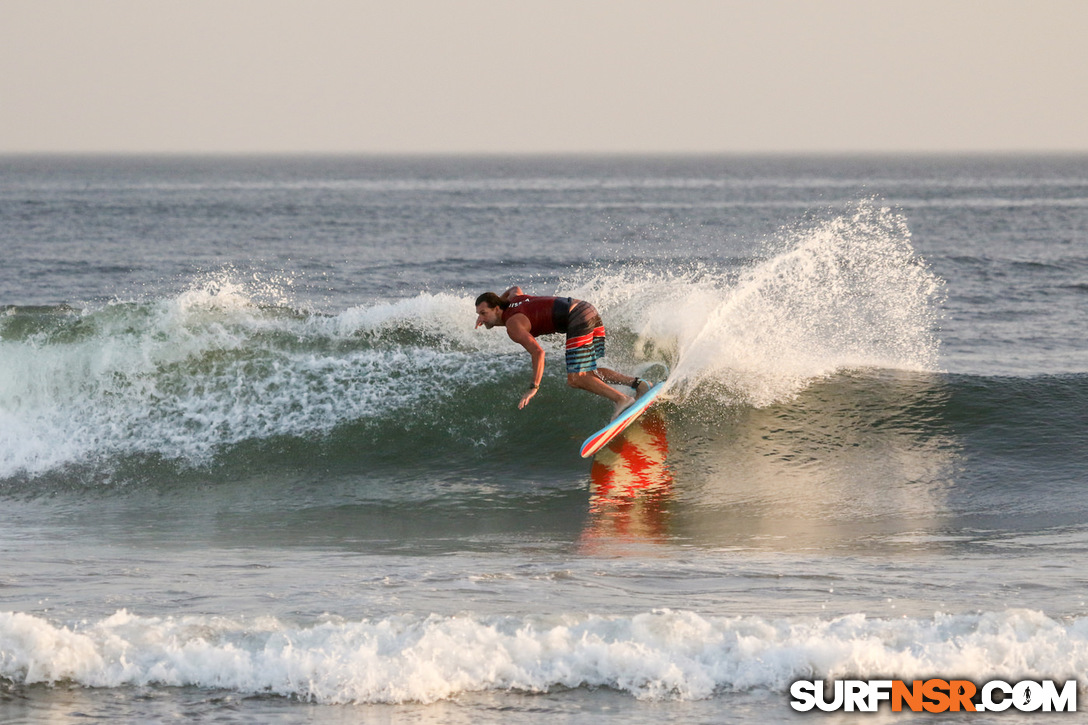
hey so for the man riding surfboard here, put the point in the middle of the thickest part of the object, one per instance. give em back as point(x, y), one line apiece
point(525, 317)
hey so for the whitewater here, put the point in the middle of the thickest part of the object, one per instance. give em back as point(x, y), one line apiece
point(256, 463)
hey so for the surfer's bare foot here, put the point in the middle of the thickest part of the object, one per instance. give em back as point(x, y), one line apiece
point(641, 388)
point(623, 405)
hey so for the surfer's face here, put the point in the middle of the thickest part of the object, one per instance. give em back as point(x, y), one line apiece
point(488, 316)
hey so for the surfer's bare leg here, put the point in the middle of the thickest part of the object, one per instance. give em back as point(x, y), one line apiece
point(593, 383)
point(611, 376)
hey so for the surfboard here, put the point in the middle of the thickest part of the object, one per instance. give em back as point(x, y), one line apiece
point(600, 439)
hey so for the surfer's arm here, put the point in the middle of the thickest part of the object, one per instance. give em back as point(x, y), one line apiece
point(518, 328)
point(514, 291)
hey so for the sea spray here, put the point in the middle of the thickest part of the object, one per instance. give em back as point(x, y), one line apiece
point(843, 293)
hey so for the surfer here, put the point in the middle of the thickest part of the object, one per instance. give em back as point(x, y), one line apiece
point(526, 317)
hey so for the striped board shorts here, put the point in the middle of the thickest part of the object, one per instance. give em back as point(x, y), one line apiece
point(585, 339)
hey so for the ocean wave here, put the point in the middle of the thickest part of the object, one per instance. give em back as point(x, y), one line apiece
point(211, 373)
point(228, 363)
point(656, 655)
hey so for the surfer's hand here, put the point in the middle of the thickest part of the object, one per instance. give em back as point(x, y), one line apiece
point(527, 397)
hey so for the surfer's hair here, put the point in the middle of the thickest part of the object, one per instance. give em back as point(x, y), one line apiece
point(492, 300)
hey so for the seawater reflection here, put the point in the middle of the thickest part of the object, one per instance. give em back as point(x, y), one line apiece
point(855, 461)
point(630, 487)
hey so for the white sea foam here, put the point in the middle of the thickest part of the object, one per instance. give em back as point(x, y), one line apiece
point(656, 655)
point(446, 320)
point(182, 376)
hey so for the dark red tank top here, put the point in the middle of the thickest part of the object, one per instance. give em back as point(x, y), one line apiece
point(546, 314)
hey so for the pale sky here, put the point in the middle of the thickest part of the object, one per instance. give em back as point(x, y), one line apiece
point(543, 76)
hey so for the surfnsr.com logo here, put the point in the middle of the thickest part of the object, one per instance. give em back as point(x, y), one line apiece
point(934, 695)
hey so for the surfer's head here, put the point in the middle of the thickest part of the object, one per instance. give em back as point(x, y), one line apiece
point(489, 307)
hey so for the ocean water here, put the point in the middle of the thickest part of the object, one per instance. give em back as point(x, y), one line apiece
point(257, 466)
